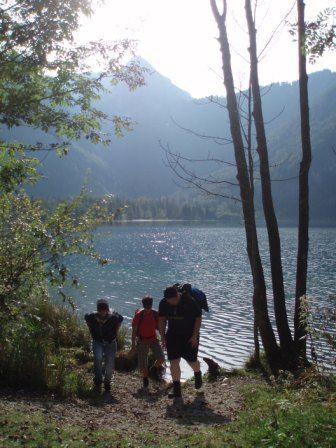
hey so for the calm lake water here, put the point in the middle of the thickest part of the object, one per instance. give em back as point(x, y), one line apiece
point(148, 256)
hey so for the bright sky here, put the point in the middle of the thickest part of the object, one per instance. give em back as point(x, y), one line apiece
point(178, 38)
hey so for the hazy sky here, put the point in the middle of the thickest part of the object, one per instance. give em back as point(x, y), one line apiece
point(178, 37)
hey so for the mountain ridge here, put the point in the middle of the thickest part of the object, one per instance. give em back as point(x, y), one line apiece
point(134, 165)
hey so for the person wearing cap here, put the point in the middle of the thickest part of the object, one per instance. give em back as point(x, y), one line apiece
point(181, 340)
point(104, 326)
point(144, 338)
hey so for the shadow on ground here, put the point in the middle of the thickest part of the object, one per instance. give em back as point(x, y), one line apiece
point(196, 411)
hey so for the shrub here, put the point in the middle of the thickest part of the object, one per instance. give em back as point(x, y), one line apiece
point(35, 352)
point(62, 325)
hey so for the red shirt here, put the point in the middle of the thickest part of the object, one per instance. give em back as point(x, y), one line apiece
point(147, 324)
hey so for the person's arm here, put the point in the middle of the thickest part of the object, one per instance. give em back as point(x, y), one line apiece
point(135, 326)
point(88, 320)
point(162, 329)
point(118, 324)
point(197, 326)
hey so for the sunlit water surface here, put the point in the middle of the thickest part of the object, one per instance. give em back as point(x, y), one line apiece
point(148, 257)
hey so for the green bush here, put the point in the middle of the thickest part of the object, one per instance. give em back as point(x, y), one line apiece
point(62, 325)
point(47, 346)
point(36, 350)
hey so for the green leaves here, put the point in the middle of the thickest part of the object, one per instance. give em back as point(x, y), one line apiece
point(320, 34)
point(46, 80)
point(15, 167)
point(35, 244)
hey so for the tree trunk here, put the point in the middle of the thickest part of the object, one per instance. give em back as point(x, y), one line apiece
point(259, 294)
point(286, 342)
point(251, 175)
point(300, 331)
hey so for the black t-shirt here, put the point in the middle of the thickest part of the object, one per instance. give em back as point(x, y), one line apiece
point(103, 331)
point(181, 318)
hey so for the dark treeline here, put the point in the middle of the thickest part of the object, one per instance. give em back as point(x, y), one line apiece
point(166, 208)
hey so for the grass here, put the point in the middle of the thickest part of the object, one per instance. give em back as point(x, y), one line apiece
point(281, 416)
point(291, 415)
point(34, 431)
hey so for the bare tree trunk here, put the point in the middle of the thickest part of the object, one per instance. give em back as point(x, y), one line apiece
point(259, 295)
point(286, 342)
point(303, 231)
point(256, 341)
point(251, 175)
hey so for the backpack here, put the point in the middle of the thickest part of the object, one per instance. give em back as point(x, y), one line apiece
point(196, 294)
point(200, 298)
point(142, 315)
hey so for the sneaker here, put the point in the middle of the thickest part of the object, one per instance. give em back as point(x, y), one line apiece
point(198, 380)
point(145, 382)
point(176, 390)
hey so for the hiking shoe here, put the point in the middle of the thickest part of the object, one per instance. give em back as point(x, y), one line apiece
point(145, 382)
point(198, 380)
point(176, 390)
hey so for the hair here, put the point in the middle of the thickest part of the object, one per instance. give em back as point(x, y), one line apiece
point(170, 292)
point(102, 304)
point(147, 300)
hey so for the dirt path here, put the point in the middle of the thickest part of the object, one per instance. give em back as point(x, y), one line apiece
point(131, 410)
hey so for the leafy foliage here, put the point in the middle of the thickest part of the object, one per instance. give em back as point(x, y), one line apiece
point(320, 34)
point(45, 79)
point(46, 83)
point(33, 243)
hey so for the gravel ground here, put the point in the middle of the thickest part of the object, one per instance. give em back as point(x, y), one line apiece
point(131, 410)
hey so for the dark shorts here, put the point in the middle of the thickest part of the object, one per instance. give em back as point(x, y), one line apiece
point(178, 346)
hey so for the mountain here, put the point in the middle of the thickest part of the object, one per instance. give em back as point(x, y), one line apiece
point(135, 165)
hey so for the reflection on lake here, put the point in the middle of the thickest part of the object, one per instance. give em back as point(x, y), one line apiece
point(147, 257)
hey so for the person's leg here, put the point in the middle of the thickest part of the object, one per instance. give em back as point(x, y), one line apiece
point(176, 377)
point(174, 357)
point(196, 366)
point(109, 353)
point(143, 349)
point(157, 369)
point(175, 369)
point(190, 355)
point(97, 348)
point(197, 373)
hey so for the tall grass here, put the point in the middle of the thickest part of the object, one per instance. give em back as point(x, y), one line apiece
point(47, 346)
point(34, 347)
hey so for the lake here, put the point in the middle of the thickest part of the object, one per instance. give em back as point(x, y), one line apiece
point(146, 257)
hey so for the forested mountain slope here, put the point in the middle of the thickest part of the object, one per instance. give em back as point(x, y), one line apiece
point(134, 166)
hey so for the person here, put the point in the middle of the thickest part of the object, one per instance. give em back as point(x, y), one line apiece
point(181, 340)
point(144, 338)
point(104, 326)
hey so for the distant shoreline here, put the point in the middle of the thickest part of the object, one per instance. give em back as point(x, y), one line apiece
point(323, 225)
